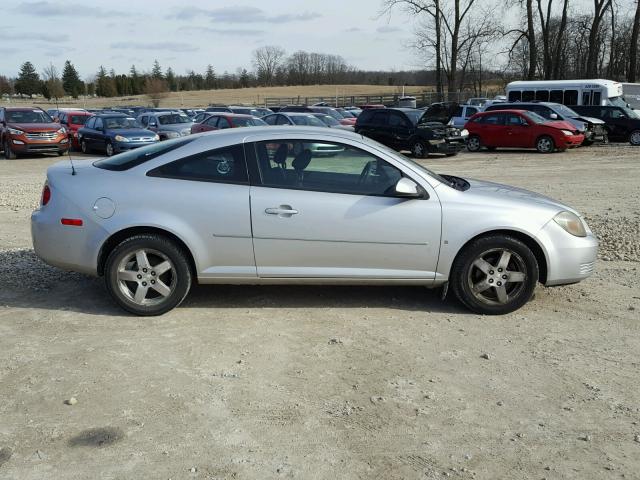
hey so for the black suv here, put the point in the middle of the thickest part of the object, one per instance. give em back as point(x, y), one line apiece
point(591, 127)
point(622, 123)
point(405, 129)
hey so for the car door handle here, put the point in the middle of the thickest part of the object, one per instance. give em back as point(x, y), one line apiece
point(284, 211)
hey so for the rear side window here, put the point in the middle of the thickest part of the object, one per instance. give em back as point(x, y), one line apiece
point(492, 119)
point(528, 95)
point(542, 95)
point(224, 165)
point(133, 158)
point(379, 118)
point(515, 96)
point(570, 97)
point(556, 96)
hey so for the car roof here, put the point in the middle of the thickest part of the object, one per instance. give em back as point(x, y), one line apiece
point(503, 110)
point(22, 109)
point(296, 114)
point(248, 134)
point(230, 115)
point(111, 115)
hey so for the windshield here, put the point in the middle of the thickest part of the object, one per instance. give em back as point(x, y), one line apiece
point(79, 119)
point(328, 120)
point(133, 158)
point(27, 116)
point(119, 122)
point(309, 120)
point(535, 118)
point(248, 122)
point(414, 115)
point(173, 118)
point(565, 111)
point(617, 101)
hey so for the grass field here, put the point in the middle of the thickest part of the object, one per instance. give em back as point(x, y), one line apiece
point(254, 96)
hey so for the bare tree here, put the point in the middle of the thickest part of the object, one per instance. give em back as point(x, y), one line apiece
point(599, 10)
point(156, 89)
point(266, 61)
point(52, 87)
point(633, 47)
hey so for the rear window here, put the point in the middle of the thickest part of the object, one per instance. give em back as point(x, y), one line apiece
point(138, 156)
point(79, 119)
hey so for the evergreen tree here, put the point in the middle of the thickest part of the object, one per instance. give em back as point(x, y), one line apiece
point(156, 71)
point(71, 80)
point(28, 82)
point(105, 85)
point(210, 78)
point(171, 80)
point(244, 78)
point(136, 81)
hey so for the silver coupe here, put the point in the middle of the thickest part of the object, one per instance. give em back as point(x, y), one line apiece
point(258, 206)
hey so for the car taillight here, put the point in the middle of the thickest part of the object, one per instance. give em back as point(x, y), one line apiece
point(46, 195)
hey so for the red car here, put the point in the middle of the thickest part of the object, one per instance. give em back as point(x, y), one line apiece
point(520, 129)
point(74, 121)
point(220, 121)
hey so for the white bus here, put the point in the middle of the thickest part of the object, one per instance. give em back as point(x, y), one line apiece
point(567, 92)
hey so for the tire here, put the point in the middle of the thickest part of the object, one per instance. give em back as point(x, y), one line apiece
point(473, 143)
point(545, 144)
point(419, 149)
point(127, 278)
point(108, 148)
point(634, 138)
point(84, 148)
point(8, 153)
point(477, 279)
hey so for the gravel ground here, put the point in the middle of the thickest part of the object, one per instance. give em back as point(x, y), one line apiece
point(326, 382)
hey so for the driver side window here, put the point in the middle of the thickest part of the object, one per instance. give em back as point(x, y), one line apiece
point(324, 167)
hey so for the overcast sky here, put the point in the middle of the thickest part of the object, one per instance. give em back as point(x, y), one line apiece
point(190, 35)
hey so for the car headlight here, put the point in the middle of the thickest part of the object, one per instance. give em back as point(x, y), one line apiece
point(120, 138)
point(62, 130)
point(172, 134)
point(15, 131)
point(571, 223)
point(568, 133)
point(464, 132)
point(156, 138)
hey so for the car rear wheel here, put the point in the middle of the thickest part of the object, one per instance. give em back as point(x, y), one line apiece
point(634, 137)
point(419, 149)
point(8, 153)
point(494, 275)
point(148, 275)
point(545, 144)
point(474, 144)
point(109, 149)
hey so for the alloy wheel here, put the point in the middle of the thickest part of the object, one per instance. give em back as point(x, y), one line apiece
point(109, 149)
point(146, 277)
point(418, 150)
point(497, 276)
point(473, 144)
point(634, 138)
point(545, 145)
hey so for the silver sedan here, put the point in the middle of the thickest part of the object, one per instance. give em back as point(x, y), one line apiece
point(259, 207)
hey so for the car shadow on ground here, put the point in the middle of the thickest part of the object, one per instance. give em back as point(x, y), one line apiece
point(27, 282)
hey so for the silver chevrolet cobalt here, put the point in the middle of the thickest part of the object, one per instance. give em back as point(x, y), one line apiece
point(300, 205)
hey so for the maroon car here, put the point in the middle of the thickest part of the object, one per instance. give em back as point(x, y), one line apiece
point(220, 121)
point(30, 130)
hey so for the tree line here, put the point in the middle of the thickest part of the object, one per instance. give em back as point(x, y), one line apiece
point(470, 42)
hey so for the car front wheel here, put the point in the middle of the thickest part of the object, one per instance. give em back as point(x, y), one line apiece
point(473, 143)
point(148, 274)
point(494, 275)
point(419, 149)
point(109, 149)
point(8, 153)
point(545, 144)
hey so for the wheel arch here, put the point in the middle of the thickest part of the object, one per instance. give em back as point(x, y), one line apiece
point(528, 240)
point(114, 240)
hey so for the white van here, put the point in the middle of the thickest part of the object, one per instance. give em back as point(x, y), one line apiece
point(567, 92)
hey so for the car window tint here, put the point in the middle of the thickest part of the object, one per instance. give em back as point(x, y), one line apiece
point(91, 122)
point(397, 120)
point(515, 96)
point(223, 123)
point(211, 121)
point(224, 165)
point(493, 119)
point(98, 124)
point(282, 120)
point(542, 95)
point(514, 119)
point(570, 97)
point(379, 118)
point(324, 166)
point(270, 119)
point(471, 111)
point(528, 95)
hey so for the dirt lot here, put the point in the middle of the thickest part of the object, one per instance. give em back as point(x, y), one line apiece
point(329, 382)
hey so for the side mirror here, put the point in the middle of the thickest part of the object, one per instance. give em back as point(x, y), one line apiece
point(553, 116)
point(408, 188)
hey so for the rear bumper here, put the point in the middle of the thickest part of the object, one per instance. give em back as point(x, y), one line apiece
point(570, 259)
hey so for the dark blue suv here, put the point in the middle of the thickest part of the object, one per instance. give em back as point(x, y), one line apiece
point(113, 133)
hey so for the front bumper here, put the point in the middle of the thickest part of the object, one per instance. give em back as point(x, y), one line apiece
point(447, 145)
point(570, 259)
point(124, 146)
point(60, 146)
point(571, 141)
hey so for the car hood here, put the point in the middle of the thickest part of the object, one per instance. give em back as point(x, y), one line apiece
point(35, 127)
point(504, 194)
point(131, 132)
point(595, 121)
point(569, 124)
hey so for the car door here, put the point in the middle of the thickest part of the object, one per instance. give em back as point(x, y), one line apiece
point(399, 131)
point(98, 136)
point(493, 130)
point(206, 126)
point(336, 216)
point(283, 120)
point(517, 132)
point(619, 122)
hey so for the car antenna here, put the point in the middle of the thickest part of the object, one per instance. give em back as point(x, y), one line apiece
point(73, 169)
